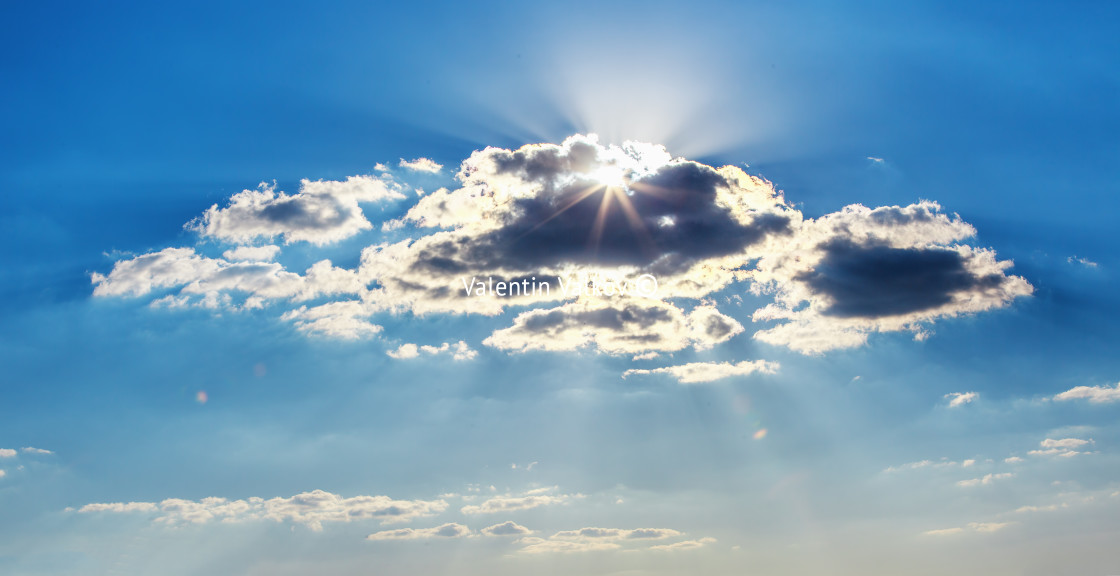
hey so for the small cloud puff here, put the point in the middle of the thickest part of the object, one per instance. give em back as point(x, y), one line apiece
point(421, 165)
point(458, 351)
point(961, 398)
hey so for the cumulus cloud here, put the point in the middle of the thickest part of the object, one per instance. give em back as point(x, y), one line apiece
point(626, 327)
point(449, 530)
point(421, 165)
point(252, 253)
point(310, 509)
point(508, 528)
point(580, 228)
point(458, 351)
point(1094, 394)
point(616, 534)
point(1064, 447)
point(509, 503)
point(7, 453)
point(961, 398)
point(861, 270)
point(322, 212)
point(697, 372)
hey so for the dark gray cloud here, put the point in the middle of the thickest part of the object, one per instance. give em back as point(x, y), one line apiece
point(876, 281)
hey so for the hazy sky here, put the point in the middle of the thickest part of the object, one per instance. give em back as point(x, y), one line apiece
point(831, 289)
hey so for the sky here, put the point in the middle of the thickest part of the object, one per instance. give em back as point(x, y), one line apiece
point(506, 288)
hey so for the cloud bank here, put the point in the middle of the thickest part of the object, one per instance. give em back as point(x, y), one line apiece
point(614, 249)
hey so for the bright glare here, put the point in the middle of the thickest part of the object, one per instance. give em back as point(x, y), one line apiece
point(610, 176)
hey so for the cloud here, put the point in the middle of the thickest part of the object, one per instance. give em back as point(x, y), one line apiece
point(943, 463)
point(597, 539)
point(1082, 261)
point(630, 326)
point(549, 211)
point(566, 221)
point(33, 450)
point(684, 545)
point(7, 453)
point(322, 212)
point(534, 545)
point(709, 371)
point(1094, 394)
point(961, 398)
point(507, 503)
point(985, 480)
point(1064, 447)
point(860, 270)
point(458, 351)
point(252, 253)
point(508, 528)
point(981, 527)
point(421, 165)
point(449, 530)
point(616, 534)
point(3, 473)
point(198, 276)
point(310, 509)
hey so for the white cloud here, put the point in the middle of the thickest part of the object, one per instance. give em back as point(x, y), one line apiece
point(684, 545)
point(1082, 261)
point(508, 528)
point(1064, 448)
point(33, 450)
point(346, 320)
point(449, 530)
point(7, 453)
point(597, 539)
point(961, 398)
point(458, 351)
point(1094, 394)
point(1013, 460)
point(981, 527)
point(311, 509)
point(322, 212)
point(508, 503)
point(534, 545)
point(616, 534)
point(252, 253)
point(697, 372)
point(3, 473)
point(421, 165)
point(984, 480)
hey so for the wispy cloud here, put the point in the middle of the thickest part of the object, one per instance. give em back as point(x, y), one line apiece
point(976, 527)
point(526, 501)
point(449, 530)
point(961, 398)
point(699, 372)
point(311, 509)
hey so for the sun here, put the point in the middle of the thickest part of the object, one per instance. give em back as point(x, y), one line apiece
point(611, 176)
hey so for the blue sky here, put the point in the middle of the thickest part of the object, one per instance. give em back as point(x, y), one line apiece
point(882, 339)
